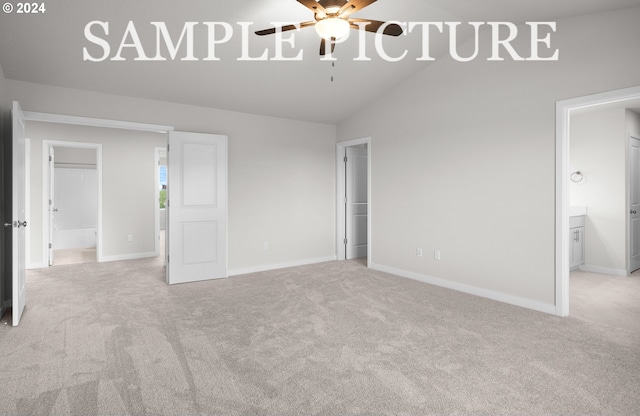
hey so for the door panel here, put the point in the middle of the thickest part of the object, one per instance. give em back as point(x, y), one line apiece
point(200, 242)
point(634, 202)
point(357, 205)
point(197, 207)
point(19, 224)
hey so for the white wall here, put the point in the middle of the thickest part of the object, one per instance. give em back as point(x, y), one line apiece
point(598, 148)
point(5, 100)
point(463, 159)
point(281, 172)
point(75, 156)
point(128, 186)
point(633, 123)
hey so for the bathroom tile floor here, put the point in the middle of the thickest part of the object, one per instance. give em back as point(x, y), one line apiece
point(606, 299)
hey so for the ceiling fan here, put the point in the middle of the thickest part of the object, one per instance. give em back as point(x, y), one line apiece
point(332, 21)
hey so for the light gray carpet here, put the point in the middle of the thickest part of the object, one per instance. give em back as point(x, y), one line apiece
point(328, 339)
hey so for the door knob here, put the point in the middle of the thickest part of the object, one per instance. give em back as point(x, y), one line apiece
point(633, 212)
point(16, 224)
point(55, 210)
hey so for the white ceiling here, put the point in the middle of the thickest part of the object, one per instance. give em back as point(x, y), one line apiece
point(47, 48)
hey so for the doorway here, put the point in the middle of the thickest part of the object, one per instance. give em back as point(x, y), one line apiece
point(563, 174)
point(72, 215)
point(161, 200)
point(353, 199)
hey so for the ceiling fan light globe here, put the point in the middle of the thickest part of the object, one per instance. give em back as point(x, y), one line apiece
point(332, 27)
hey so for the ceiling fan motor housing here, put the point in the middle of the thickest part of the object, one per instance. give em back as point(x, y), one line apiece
point(332, 6)
point(332, 3)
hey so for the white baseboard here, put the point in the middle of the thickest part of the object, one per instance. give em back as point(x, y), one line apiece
point(268, 267)
point(603, 270)
point(37, 266)
point(472, 290)
point(134, 256)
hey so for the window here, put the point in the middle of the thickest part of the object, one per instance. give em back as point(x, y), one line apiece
point(162, 186)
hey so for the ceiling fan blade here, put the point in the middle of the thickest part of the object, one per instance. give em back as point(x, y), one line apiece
point(312, 5)
point(323, 46)
point(373, 26)
point(286, 28)
point(353, 6)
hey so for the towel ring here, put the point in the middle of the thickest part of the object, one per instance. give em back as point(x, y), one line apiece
point(577, 177)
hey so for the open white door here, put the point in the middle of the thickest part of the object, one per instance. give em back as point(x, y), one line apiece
point(18, 216)
point(196, 207)
point(52, 208)
point(356, 202)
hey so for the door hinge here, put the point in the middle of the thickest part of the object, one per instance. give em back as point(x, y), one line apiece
point(346, 159)
point(346, 199)
point(50, 158)
point(167, 259)
point(50, 247)
point(345, 241)
point(50, 202)
point(167, 148)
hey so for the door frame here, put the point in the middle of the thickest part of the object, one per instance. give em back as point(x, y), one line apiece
point(563, 114)
point(340, 192)
point(630, 136)
point(46, 180)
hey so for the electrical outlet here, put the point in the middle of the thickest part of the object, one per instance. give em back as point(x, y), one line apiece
point(130, 237)
point(436, 255)
point(419, 252)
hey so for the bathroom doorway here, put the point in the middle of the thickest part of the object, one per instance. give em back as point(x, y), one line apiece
point(73, 171)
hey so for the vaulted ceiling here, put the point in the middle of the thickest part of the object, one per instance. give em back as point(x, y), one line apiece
point(48, 47)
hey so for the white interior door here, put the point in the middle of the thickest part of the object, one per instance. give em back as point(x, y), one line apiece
point(197, 207)
point(52, 208)
point(19, 224)
point(356, 202)
point(634, 204)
